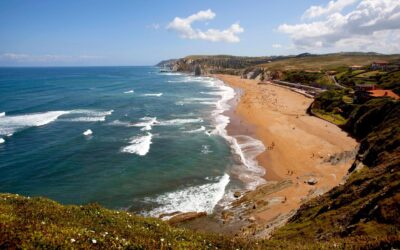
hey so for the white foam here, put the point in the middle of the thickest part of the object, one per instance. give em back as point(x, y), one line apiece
point(202, 128)
point(170, 73)
point(246, 147)
point(88, 132)
point(153, 94)
point(209, 81)
point(146, 123)
point(206, 101)
point(140, 145)
point(14, 123)
point(86, 119)
point(175, 122)
point(129, 91)
point(2, 140)
point(202, 198)
point(87, 115)
point(2, 114)
point(11, 124)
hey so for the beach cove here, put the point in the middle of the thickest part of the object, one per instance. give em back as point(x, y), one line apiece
point(304, 157)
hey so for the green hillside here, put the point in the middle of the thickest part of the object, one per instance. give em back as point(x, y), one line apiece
point(327, 62)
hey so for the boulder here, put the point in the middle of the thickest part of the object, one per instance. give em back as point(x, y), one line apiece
point(183, 217)
point(251, 219)
point(311, 181)
point(237, 194)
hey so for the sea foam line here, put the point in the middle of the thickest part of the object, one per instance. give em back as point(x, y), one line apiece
point(153, 94)
point(10, 124)
point(193, 199)
point(246, 147)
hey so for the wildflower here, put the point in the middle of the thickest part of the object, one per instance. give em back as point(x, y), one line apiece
point(72, 240)
point(43, 223)
point(94, 241)
point(162, 239)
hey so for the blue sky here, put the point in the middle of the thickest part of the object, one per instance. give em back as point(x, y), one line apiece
point(100, 32)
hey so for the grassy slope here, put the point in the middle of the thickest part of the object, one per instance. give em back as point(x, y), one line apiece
point(326, 62)
point(41, 223)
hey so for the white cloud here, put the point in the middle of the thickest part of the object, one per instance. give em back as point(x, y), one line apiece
point(331, 7)
point(18, 57)
point(184, 27)
point(276, 45)
point(372, 25)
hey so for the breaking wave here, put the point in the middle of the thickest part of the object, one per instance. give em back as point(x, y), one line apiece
point(139, 145)
point(202, 198)
point(15, 123)
point(153, 94)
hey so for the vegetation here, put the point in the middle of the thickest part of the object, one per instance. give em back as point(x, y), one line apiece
point(334, 106)
point(367, 205)
point(327, 62)
point(39, 223)
point(391, 81)
point(315, 79)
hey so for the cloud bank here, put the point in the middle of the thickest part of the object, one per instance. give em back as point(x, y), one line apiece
point(184, 27)
point(372, 25)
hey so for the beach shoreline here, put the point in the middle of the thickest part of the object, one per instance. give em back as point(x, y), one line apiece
point(304, 157)
point(300, 149)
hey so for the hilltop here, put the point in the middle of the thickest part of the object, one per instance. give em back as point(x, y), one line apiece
point(305, 68)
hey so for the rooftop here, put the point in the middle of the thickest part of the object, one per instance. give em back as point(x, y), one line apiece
point(384, 92)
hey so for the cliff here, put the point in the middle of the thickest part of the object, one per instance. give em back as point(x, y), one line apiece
point(367, 205)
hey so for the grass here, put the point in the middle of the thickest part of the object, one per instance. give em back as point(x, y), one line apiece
point(330, 117)
point(370, 74)
point(340, 75)
point(347, 99)
point(326, 62)
point(356, 72)
point(40, 223)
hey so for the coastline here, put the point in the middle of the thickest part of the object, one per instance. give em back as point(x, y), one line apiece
point(304, 157)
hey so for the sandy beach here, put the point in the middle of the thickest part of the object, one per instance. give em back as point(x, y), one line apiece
point(304, 157)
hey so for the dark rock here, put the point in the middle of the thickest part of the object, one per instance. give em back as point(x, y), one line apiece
point(237, 194)
point(197, 71)
point(311, 181)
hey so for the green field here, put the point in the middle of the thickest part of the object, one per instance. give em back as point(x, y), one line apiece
point(327, 62)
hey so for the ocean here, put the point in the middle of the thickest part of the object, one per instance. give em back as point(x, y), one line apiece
point(124, 137)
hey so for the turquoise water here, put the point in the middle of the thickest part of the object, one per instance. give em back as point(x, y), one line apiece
point(154, 143)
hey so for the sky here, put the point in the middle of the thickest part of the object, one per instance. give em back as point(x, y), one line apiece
point(143, 32)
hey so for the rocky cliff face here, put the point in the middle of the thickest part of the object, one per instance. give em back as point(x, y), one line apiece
point(367, 206)
point(203, 65)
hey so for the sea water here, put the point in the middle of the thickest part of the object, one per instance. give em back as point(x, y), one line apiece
point(124, 137)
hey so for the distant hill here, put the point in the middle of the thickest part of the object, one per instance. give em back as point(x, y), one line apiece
point(241, 64)
point(166, 63)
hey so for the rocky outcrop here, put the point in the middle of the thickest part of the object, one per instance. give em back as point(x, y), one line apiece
point(220, 64)
point(184, 217)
